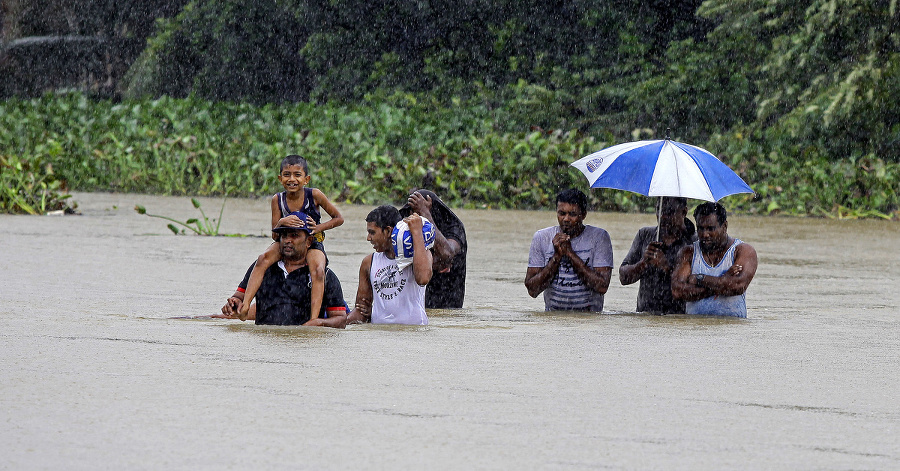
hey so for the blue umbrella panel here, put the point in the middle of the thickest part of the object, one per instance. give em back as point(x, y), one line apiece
point(662, 168)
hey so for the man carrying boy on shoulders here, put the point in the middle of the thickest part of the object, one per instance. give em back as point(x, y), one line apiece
point(570, 263)
point(285, 295)
point(388, 294)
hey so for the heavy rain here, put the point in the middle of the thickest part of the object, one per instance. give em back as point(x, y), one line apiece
point(141, 144)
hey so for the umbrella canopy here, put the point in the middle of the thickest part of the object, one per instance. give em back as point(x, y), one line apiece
point(662, 168)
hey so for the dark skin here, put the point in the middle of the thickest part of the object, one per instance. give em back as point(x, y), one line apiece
point(294, 246)
point(444, 249)
point(571, 225)
point(714, 242)
point(671, 227)
point(380, 238)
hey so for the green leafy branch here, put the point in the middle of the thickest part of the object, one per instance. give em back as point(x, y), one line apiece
point(198, 226)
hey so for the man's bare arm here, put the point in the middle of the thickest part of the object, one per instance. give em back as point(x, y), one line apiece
point(735, 281)
point(684, 285)
point(422, 258)
point(362, 309)
point(537, 279)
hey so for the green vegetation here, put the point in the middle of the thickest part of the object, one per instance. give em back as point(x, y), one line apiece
point(197, 226)
point(487, 102)
point(29, 186)
point(378, 151)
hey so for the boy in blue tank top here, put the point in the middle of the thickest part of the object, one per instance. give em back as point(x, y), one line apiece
point(294, 177)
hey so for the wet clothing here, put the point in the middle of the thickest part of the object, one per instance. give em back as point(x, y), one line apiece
point(397, 298)
point(448, 288)
point(285, 298)
point(309, 205)
point(310, 208)
point(733, 306)
point(567, 291)
point(655, 290)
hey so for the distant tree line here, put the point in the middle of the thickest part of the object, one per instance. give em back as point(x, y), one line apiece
point(793, 76)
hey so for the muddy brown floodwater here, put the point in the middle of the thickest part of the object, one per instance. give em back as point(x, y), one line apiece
point(95, 374)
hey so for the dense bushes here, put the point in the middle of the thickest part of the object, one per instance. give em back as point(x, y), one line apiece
point(377, 151)
point(28, 185)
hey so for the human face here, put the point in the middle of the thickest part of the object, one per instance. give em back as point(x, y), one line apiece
point(710, 233)
point(294, 244)
point(671, 219)
point(378, 237)
point(570, 217)
point(293, 178)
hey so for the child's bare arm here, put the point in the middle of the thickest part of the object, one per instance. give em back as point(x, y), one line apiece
point(323, 202)
point(276, 215)
point(271, 256)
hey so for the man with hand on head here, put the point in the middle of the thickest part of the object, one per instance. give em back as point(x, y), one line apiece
point(447, 287)
point(570, 263)
point(714, 272)
point(389, 293)
point(284, 297)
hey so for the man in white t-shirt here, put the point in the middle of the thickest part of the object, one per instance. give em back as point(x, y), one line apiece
point(570, 263)
point(388, 294)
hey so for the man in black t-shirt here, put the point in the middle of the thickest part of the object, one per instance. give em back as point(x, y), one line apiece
point(447, 287)
point(654, 255)
point(284, 295)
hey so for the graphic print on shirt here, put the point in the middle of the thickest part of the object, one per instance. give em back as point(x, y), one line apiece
point(570, 289)
point(388, 282)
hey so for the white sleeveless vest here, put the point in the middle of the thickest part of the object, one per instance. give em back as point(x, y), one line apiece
point(733, 306)
point(397, 298)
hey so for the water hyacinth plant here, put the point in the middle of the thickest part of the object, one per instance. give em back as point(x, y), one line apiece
point(29, 186)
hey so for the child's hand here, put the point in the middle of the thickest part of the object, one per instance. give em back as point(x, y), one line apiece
point(311, 224)
point(291, 221)
point(243, 311)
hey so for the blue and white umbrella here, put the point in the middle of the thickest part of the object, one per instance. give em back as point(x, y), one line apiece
point(662, 168)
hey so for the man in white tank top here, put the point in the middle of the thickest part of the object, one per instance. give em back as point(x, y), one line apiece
point(388, 294)
point(714, 272)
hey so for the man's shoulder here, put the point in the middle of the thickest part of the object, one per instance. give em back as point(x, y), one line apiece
point(744, 247)
point(647, 232)
point(595, 232)
point(547, 232)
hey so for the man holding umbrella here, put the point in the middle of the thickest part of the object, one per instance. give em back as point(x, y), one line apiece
point(570, 263)
point(714, 272)
point(654, 256)
point(667, 168)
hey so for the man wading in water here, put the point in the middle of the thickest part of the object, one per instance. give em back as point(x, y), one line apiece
point(285, 295)
point(388, 294)
point(570, 263)
point(713, 273)
point(652, 261)
point(447, 287)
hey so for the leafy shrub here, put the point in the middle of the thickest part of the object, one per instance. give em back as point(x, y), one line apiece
point(29, 186)
point(376, 152)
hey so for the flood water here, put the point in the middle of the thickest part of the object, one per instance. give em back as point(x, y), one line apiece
point(95, 374)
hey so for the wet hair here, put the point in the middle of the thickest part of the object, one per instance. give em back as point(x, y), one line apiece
point(573, 196)
point(672, 202)
point(385, 216)
point(295, 160)
point(706, 209)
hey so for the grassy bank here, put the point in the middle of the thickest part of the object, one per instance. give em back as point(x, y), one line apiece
point(376, 152)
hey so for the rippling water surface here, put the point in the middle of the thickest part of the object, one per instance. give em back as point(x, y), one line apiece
point(95, 374)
